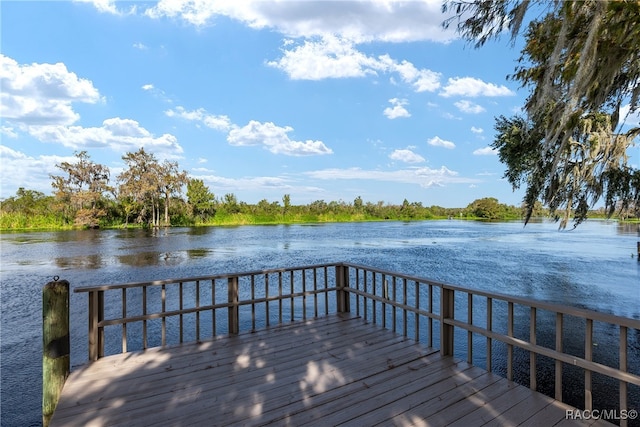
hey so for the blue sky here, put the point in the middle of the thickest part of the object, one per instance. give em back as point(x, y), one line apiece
point(317, 99)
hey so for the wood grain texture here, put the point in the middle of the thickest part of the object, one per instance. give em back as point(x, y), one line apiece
point(333, 370)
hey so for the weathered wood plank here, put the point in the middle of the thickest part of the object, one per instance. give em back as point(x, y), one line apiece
point(335, 370)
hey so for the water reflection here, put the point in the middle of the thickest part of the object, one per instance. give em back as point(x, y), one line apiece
point(90, 262)
point(628, 228)
point(150, 259)
point(198, 253)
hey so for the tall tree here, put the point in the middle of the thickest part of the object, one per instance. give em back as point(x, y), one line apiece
point(172, 180)
point(81, 189)
point(140, 183)
point(581, 62)
point(200, 199)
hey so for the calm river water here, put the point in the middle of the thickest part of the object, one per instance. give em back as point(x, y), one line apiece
point(591, 267)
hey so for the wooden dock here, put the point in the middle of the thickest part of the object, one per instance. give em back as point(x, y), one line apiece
point(327, 371)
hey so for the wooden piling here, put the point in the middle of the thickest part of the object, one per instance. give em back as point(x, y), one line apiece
point(55, 344)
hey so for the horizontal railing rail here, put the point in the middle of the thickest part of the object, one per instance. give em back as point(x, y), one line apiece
point(306, 289)
point(430, 311)
point(379, 295)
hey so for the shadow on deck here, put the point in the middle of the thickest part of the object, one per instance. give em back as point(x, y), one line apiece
point(332, 370)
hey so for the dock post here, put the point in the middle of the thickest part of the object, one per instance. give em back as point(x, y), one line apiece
point(447, 298)
point(342, 296)
point(55, 344)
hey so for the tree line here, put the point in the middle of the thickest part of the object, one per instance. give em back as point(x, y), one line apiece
point(150, 193)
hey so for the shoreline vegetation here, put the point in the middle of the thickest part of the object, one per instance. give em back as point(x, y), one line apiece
point(33, 211)
point(150, 194)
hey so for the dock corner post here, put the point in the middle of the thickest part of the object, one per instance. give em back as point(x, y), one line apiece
point(55, 345)
point(342, 282)
point(234, 309)
point(447, 297)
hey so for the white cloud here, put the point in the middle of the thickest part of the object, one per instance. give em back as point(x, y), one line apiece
point(388, 21)
point(397, 109)
point(260, 186)
point(147, 87)
point(8, 131)
point(108, 6)
point(469, 107)
point(275, 139)
point(117, 134)
point(217, 122)
point(330, 57)
point(20, 170)
point(486, 151)
point(422, 80)
point(140, 46)
point(406, 156)
point(450, 116)
point(472, 87)
point(202, 160)
point(436, 141)
point(40, 94)
point(424, 177)
point(334, 57)
point(476, 130)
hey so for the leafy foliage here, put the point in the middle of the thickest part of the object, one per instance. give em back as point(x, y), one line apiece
point(581, 62)
point(81, 190)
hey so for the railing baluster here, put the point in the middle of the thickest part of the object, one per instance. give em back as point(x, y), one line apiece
point(509, 346)
point(393, 308)
point(181, 305)
point(373, 302)
point(385, 296)
point(326, 292)
point(447, 311)
point(304, 294)
point(163, 297)
point(124, 316)
point(94, 318)
point(489, 329)
point(417, 318)
point(315, 292)
point(291, 285)
point(213, 311)
point(357, 288)
point(144, 312)
point(469, 333)
point(198, 312)
point(253, 304)
point(280, 297)
point(623, 368)
point(588, 355)
point(533, 381)
point(430, 321)
point(233, 322)
point(405, 327)
point(365, 300)
point(558, 385)
point(266, 294)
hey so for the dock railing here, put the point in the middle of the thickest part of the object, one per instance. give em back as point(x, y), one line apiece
point(169, 312)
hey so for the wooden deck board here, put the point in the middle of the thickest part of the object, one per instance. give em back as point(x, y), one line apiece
point(334, 370)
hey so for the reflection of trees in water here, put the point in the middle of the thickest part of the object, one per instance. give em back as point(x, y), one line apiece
point(628, 228)
point(91, 262)
point(198, 253)
point(147, 259)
